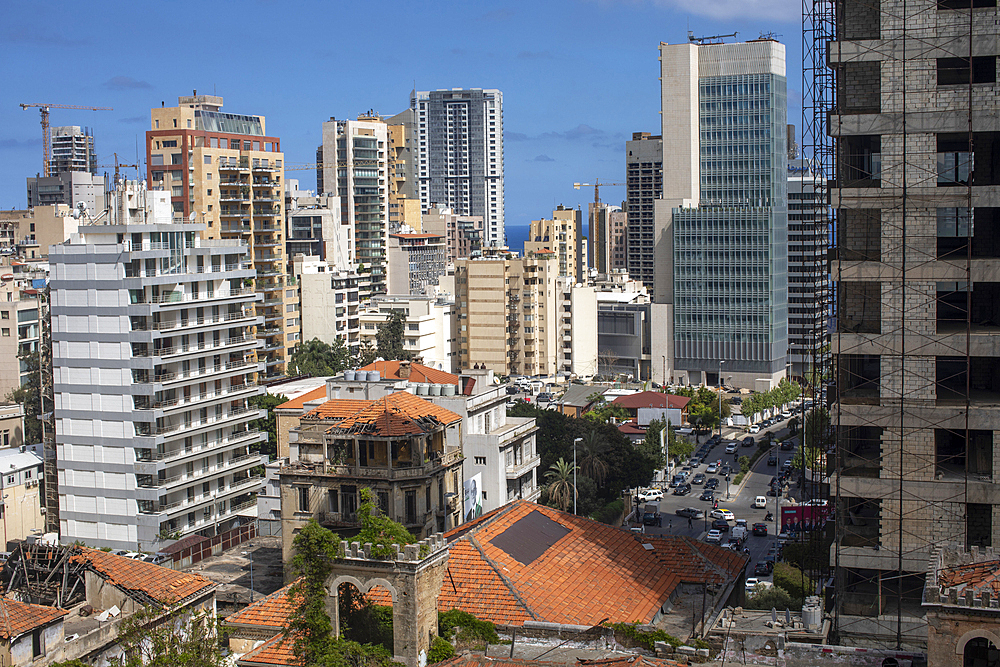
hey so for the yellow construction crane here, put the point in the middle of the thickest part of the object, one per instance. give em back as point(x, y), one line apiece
point(597, 188)
point(118, 166)
point(46, 131)
point(301, 167)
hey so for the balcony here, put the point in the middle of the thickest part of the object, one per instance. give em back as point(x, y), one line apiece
point(431, 467)
point(235, 391)
point(164, 352)
point(170, 325)
point(212, 496)
point(247, 364)
point(214, 421)
point(178, 297)
point(241, 438)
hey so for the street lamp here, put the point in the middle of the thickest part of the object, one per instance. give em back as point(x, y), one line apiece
point(250, 553)
point(575, 440)
point(663, 381)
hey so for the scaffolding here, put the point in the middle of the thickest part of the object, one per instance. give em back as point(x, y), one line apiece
point(914, 451)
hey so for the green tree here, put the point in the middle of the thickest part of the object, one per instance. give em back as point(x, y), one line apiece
point(27, 395)
point(677, 448)
point(268, 424)
point(560, 487)
point(366, 354)
point(389, 337)
point(173, 638)
point(604, 412)
point(316, 358)
point(793, 580)
point(773, 597)
point(591, 457)
point(744, 464)
point(315, 548)
point(378, 529)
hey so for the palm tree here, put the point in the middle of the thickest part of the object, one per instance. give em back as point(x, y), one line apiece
point(561, 488)
point(592, 448)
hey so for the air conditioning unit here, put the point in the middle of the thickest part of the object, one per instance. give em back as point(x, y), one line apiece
point(42, 510)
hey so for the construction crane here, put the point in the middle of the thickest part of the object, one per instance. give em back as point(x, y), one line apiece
point(47, 132)
point(597, 185)
point(302, 167)
point(117, 166)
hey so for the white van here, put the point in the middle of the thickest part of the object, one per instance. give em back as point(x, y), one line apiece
point(760, 502)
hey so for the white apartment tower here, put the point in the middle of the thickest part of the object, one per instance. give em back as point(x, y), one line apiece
point(460, 154)
point(154, 363)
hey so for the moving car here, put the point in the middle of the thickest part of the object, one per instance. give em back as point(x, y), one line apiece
point(712, 483)
point(713, 537)
point(690, 513)
point(754, 429)
point(708, 495)
point(712, 469)
point(650, 495)
point(721, 525)
point(682, 490)
point(751, 582)
point(511, 390)
point(725, 470)
point(732, 544)
point(731, 448)
point(760, 529)
point(772, 460)
point(749, 441)
point(760, 502)
point(763, 567)
point(722, 513)
point(698, 479)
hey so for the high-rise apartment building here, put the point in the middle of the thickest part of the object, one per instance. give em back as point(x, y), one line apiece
point(154, 363)
point(415, 262)
point(563, 235)
point(721, 257)
point(404, 198)
point(72, 150)
point(460, 154)
point(809, 306)
point(608, 238)
point(643, 186)
point(223, 170)
point(916, 144)
point(355, 167)
point(507, 317)
point(463, 233)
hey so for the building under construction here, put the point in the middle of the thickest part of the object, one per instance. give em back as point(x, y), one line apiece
point(900, 108)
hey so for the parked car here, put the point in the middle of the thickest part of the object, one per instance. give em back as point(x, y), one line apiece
point(698, 479)
point(760, 529)
point(708, 495)
point(650, 495)
point(722, 513)
point(763, 567)
point(690, 513)
point(158, 558)
point(754, 429)
point(713, 537)
point(120, 552)
point(544, 397)
point(721, 525)
point(134, 555)
point(695, 462)
point(511, 390)
point(712, 483)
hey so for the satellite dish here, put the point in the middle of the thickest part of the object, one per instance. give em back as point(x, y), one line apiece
point(193, 216)
point(82, 205)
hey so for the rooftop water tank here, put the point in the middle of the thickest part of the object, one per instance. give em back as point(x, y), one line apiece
point(374, 376)
point(422, 389)
point(447, 390)
point(349, 376)
point(434, 390)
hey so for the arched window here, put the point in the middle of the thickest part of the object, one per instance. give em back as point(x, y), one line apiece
point(980, 652)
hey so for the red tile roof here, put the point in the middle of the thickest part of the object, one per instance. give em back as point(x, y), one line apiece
point(398, 414)
point(17, 618)
point(272, 611)
point(651, 399)
point(418, 372)
point(631, 428)
point(278, 650)
point(144, 580)
point(298, 403)
point(981, 576)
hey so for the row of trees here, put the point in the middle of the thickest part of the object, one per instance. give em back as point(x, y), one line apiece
point(704, 407)
point(784, 393)
point(316, 358)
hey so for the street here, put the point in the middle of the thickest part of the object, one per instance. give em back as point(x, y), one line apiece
point(740, 502)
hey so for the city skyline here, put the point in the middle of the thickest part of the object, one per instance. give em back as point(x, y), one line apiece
point(569, 108)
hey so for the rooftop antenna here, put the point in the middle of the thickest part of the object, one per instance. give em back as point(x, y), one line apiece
point(713, 39)
point(770, 36)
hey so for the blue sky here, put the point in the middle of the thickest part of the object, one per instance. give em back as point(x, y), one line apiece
point(578, 76)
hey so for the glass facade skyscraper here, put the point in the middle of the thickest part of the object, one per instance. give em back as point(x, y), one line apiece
point(729, 240)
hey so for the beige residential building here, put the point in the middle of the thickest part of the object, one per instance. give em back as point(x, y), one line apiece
point(223, 170)
point(576, 313)
point(330, 302)
point(507, 313)
point(563, 235)
point(19, 316)
point(20, 485)
point(429, 329)
point(30, 232)
point(463, 233)
point(404, 200)
point(608, 238)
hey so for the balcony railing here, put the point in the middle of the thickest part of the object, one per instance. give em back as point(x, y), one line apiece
point(196, 347)
point(208, 370)
point(211, 447)
point(192, 322)
point(225, 416)
point(208, 395)
point(184, 297)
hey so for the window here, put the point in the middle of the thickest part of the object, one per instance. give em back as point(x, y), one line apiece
point(5, 332)
point(170, 144)
point(480, 460)
point(952, 71)
point(156, 159)
point(303, 499)
point(208, 159)
point(5, 315)
point(175, 158)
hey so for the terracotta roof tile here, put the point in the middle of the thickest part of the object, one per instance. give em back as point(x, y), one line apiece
point(278, 650)
point(158, 584)
point(651, 399)
point(299, 402)
point(981, 576)
point(418, 372)
point(272, 611)
point(17, 618)
point(397, 414)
